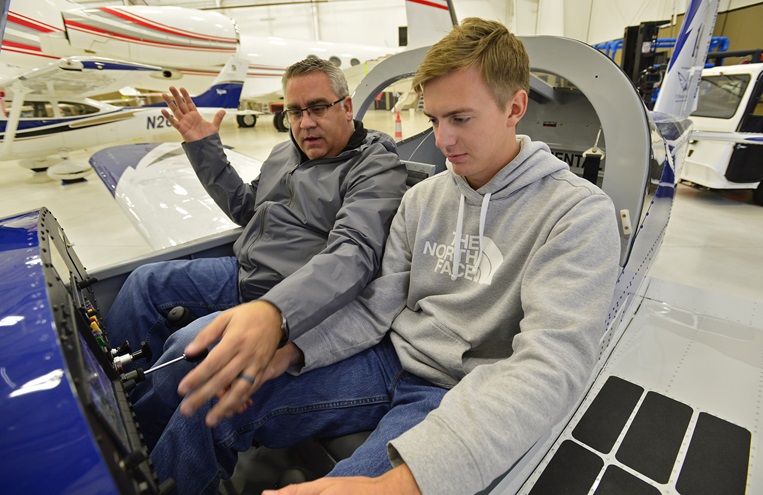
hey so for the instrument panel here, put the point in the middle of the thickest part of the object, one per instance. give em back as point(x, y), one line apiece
point(68, 424)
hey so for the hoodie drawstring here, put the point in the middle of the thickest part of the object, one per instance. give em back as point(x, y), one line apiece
point(459, 231)
point(457, 246)
point(483, 215)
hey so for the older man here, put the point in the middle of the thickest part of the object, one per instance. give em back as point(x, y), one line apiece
point(315, 222)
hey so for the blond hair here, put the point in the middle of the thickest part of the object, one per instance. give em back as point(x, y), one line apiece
point(487, 45)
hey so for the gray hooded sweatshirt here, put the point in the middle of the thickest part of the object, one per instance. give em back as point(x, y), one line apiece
point(498, 294)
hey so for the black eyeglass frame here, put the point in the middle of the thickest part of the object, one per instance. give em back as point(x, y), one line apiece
point(311, 110)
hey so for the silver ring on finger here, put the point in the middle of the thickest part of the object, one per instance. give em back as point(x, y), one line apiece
point(246, 378)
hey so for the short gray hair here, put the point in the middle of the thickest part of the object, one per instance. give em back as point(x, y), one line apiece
point(314, 64)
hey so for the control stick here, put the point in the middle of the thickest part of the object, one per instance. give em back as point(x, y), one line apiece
point(131, 378)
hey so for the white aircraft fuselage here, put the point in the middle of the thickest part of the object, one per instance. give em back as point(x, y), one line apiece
point(191, 45)
point(48, 126)
point(47, 110)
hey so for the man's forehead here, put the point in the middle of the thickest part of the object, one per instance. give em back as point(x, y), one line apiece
point(446, 109)
point(297, 101)
point(458, 91)
point(310, 89)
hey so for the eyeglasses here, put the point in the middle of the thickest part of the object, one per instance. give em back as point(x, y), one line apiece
point(315, 111)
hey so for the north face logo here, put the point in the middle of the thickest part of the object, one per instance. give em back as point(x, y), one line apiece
point(470, 253)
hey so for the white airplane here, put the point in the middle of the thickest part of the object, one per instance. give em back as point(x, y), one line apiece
point(725, 151)
point(47, 110)
point(672, 406)
point(192, 45)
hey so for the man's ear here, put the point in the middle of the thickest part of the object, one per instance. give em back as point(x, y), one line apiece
point(347, 105)
point(516, 108)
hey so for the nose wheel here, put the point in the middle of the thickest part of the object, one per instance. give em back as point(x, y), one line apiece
point(69, 171)
point(281, 121)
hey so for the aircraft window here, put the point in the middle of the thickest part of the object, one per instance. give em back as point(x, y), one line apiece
point(553, 80)
point(335, 60)
point(35, 109)
point(757, 106)
point(753, 121)
point(719, 96)
point(73, 109)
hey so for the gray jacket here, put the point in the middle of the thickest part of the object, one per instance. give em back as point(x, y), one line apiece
point(314, 230)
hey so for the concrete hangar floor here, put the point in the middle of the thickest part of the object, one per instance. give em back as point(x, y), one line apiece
point(714, 240)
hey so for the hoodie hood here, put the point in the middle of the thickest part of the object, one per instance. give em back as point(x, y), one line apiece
point(530, 165)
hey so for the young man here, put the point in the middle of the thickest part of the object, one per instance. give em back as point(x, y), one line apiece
point(315, 222)
point(473, 341)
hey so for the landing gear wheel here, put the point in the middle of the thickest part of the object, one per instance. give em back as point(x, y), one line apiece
point(281, 122)
point(69, 171)
point(246, 120)
point(757, 195)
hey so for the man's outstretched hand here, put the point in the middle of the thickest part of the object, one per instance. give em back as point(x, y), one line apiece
point(185, 117)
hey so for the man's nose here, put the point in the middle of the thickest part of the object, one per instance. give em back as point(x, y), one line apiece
point(307, 120)
point(444, 137)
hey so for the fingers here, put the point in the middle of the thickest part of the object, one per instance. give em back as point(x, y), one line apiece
point(248, 337)
point(177, 112)
point(179, 102)
point(224, 375)
point(210, 334)
point(218, 119)
point(186, 102)
point(312, 488)
point(234, 401)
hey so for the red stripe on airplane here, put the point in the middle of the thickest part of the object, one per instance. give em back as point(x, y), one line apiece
point(21, 46)
point(93, 30)
point(147, 23)
point(10, 46)
point(31, 23)
point(430, 4)
point(192, 72)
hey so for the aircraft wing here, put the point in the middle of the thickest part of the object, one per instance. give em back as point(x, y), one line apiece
point(158, 190)
point(78, 76)
point(672, 410)
point(731, 137)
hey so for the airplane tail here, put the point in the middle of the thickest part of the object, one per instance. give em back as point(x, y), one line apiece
point(225, 92)
point(429, 21)
point(679, 89)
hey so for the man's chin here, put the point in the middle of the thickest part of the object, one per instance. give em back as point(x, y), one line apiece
point(314, 154)
point(313, 150)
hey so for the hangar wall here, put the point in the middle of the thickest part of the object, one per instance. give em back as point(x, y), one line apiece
point(376, 22)
point(592, 21)
point(741, 26)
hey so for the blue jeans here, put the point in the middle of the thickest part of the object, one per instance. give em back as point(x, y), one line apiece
point(368, 391)
point(205, 286)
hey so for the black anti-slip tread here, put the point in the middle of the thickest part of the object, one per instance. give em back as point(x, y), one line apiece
point(605, 418)
point(572, 471)
point(654, 438)
point(717, 459)
point(617, 481)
